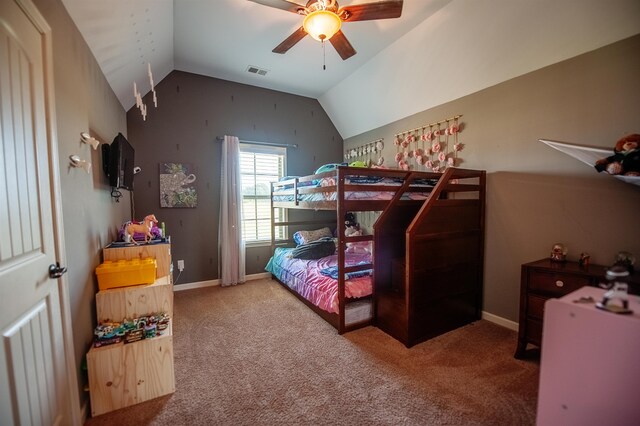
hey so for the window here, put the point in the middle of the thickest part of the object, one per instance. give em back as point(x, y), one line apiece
point(259, 166)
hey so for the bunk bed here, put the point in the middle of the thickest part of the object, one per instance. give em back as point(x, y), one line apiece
point(423, 276)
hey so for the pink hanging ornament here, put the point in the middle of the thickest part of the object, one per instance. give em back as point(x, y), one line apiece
point(396, 141)
point(417, 152)
point(436, 147)
point(429, 164)
point(399, 156)
point(451, 162)
point(442, 156)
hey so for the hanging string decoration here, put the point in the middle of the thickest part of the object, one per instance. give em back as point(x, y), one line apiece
point(433, 147)
point(366, 153)
point(141, 105)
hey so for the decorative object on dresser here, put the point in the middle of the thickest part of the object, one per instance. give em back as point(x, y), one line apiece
point(545, 279)
point(558, 252)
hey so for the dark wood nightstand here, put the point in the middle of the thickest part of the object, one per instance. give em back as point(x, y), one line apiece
point(544, 279)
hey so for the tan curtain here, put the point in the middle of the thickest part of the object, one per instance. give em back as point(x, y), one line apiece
point(231, 250)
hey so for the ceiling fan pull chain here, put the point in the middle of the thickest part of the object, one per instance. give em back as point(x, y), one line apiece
point(324, 59)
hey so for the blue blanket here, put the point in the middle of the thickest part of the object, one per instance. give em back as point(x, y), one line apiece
point(333, 273)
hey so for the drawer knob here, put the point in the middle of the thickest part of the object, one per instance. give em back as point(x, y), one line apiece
point(559, 283)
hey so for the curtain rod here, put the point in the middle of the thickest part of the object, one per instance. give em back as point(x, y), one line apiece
point(285, 145)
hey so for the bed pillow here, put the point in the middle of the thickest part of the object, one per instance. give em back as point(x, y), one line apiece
point(304, 237)
point(328, 167)
point(315, 249)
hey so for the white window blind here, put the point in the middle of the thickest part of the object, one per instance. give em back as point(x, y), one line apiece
point(259, 166)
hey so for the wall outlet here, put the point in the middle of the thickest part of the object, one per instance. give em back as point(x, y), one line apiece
point(181, 265)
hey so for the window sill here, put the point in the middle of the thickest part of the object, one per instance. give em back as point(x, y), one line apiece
point(257, 244)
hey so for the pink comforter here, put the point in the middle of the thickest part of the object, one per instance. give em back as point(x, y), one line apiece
point(304, 277)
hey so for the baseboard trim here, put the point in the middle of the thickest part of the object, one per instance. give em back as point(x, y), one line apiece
point(511, 325)
point(213, 283)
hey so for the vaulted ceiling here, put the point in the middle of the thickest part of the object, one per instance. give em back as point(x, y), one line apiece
point(437, 51)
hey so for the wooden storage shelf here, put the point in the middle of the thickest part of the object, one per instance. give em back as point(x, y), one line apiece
point(159, 251)
point(121, 374)
point(136, 301)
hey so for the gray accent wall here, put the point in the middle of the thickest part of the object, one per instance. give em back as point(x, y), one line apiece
point(84, 102)
point(537, 196)
point(192, 111)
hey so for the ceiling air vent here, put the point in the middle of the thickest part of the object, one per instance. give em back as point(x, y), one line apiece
point(255, 70)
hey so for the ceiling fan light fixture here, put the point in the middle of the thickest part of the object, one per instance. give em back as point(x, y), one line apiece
point(322, 24)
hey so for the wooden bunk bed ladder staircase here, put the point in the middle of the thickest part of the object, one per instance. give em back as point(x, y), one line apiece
point(429, 259)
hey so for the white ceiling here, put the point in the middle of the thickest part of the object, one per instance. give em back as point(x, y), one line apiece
point(437, 51)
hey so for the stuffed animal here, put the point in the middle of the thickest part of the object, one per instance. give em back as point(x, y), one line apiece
point(350, 221)
point(625, 159)
point(352, 229)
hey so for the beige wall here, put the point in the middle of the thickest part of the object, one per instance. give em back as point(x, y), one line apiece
point(537, 196)
point(84, 102)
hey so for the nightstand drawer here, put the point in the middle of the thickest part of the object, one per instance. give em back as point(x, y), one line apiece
point(556, 284)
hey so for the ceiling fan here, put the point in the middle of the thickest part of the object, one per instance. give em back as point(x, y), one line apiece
point(323, 19)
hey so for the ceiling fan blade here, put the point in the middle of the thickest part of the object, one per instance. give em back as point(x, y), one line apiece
point(342, 45)
point(290, 41)
point(287, 5)
point(369, 11)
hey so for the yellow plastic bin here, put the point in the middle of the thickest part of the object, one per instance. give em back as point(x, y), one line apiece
point(123, 273)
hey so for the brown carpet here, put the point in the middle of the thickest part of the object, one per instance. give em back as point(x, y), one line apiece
point(253, 354)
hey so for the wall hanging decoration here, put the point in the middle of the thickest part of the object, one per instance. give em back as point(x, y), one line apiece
point(177, 185)
point(76, 161)
point(89, 140)
point(366, 153)
point(141, 105)
point(434, 146)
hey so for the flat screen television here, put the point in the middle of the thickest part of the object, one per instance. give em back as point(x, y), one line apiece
point(117, 162)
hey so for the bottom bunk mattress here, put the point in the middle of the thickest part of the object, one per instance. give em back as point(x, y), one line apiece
point(312, 278)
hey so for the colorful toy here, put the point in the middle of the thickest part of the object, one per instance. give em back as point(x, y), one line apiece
point(130, 330)
point(142, 228)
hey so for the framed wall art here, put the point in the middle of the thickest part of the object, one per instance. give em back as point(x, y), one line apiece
point(177, 185)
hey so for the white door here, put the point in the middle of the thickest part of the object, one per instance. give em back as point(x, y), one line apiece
point(33, 374)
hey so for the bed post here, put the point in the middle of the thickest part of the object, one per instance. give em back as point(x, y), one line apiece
point(273, 221)
point(341, 248)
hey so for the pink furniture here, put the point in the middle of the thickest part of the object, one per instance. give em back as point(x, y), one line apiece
point(590, 363)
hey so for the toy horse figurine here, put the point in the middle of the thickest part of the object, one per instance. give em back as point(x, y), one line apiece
point(143, 228)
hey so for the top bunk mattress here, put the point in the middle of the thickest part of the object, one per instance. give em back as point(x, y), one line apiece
point(283, 193)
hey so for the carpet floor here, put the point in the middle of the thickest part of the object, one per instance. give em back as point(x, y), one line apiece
point(255, 355)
